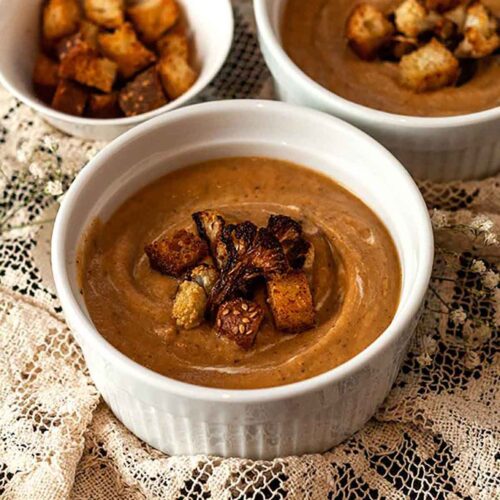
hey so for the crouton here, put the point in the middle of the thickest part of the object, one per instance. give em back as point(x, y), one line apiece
point(144, 93)
point(46, 71)
point(210, 225)
point(82, 64)
point(412, 18)
point(457, 16)
point(152, 18)
point(239, 320)
point(431, 67)
point(70, 98)
point(289, 233)
point(189, 305)
point(126, 50)
point(60, 18)
point(397, 47)
point(89, 32)
point(367, 30)
point(205, 275)
point(176, 75)
point(104, 105)
point(441, 5)
point(480, 37)
point(174, 255)
point(107, 13)
point(76, 44)
point(291, 302)
point(173, 43)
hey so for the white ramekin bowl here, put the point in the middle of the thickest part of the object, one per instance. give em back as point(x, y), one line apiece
point(439, 148)
point(308, 416)
point(211, 23)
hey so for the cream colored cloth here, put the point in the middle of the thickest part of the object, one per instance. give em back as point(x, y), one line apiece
point(436, 436)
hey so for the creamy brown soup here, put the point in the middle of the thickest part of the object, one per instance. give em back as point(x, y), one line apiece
point(313, 36)
point(356, 276)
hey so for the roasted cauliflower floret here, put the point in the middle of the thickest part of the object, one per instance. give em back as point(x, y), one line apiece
point(189, 305)
point(210, 225)
point(431, 67)
point(205, 275)
point(174, 255)
point(123, 47)
point(291, 302)
point(412, 18)
point(239, 320)
point(367, 30)
point(107, 13)
point(480, 36)
point(152, 18)
point(289, 233)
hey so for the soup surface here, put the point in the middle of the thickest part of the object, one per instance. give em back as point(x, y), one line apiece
point(355, 280)
point(313, 36)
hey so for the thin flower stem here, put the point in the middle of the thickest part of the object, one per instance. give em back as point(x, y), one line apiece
point(28, 224)
point(435, 292)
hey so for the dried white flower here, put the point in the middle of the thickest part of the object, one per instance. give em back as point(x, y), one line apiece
point(478, 266)
point(481, 223)
point(428, 344)
point(24, 151)
point(50, 143)
point(482, 333)
point(37, 170)
point(458, 316)
point(424, 359)
point(439, 218)
point(54, 188)
point(490, 279)
point(490, 239)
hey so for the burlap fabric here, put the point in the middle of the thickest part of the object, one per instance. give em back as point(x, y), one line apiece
point(436, 436)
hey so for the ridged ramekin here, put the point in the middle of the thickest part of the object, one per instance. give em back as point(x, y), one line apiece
point(437, 148)
point(308, 416)
point(211, 24)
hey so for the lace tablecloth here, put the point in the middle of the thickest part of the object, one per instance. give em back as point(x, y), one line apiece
point(436, 436)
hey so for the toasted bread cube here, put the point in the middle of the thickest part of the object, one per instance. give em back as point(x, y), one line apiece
point(104, 106)
point(70, 98)
point(46, 71)
point(189, 305)
point(431, 67)
point(291, 302)
point(90, 32)
point(367, 30)
point(480, 37)
point(176, 75)
point(175, 43)
point(441, 5)
point(412, 18)
point(76, 44)
point(152, 18)
point(239, 320)
point(126, 50)
point(174, 255)
point(60, 18)
point(82, 64)
point(142, 94)
point(106, 13)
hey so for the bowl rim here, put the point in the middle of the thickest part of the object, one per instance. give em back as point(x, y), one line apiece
point(198, 87)
point(355, 110)
point(85, 329)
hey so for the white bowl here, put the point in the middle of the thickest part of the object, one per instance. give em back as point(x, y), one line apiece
point(211, 24)
point(437, 148)
point(308, 416)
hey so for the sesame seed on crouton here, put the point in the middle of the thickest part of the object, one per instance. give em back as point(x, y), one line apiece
point(106, 13)
point(367, 30)
point(291, 302)
point(239, 320)
point(176, 254)
point(60, 18)
point(189, 305)
point(152, 18)
point(431, 67)
point(123, 47)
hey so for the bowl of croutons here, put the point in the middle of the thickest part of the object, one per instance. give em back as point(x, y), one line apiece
point(222, 267)
point(420, 76)
point(96, 68)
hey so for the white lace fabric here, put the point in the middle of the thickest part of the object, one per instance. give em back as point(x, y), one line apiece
point(436, 436)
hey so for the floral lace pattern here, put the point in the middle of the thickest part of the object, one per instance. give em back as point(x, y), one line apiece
point(436, 436)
